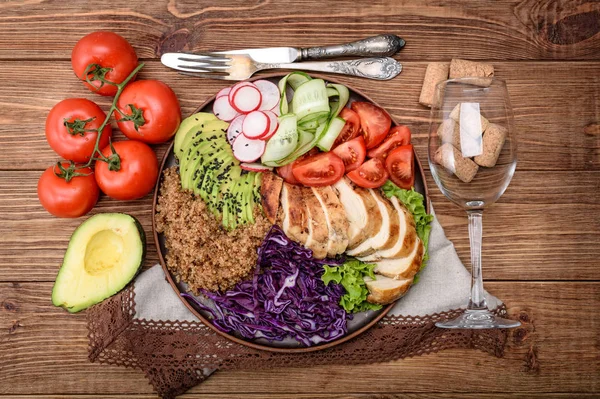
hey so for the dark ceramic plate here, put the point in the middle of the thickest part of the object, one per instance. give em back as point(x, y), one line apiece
point(361, 321)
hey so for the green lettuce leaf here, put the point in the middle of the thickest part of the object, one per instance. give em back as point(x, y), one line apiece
point(351, 276)
point(415, 203)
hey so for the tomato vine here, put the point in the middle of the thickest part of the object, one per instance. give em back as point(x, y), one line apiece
point(94, 72)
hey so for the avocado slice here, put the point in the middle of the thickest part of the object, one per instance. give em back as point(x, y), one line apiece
point(218, 128)
point(248, 200)
point(210, 161)
point(188, 125)
point(104, 254)
point(195, 151)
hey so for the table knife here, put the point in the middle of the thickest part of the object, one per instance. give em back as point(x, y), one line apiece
point(375, 46)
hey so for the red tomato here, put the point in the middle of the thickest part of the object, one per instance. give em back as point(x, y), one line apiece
point(374, 122)
point(371, 174)
point(108, 50)
point(152, 109)
point(319, 170)
point(65, 124)
point(398, 135)
point(286, 174)
point(352, 152)
point(286, 171)
point(67, 199)
point(350, 129)
point(400, 164)
point(136, 176)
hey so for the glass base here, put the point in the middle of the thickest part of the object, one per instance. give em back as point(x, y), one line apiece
point(478, 319)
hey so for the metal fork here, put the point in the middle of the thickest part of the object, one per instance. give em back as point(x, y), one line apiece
point(241, 66)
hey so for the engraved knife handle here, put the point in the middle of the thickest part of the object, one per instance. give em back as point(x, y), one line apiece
point(375, 46)
point(383, 68)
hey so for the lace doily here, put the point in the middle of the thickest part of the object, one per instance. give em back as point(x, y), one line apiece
point(176, 356)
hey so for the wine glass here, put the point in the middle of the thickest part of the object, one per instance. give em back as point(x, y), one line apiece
point(472, 156)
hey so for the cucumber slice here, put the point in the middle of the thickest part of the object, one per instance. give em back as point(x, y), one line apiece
point(310, 98)
point(283, 142)
point(343, 95)
point(331, 133)
point(295, 80)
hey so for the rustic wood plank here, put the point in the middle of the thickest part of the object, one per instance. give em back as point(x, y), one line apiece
point(319, 395)
point(531, 234)
point(552, 111)
point(504, 29)
point(559, 326)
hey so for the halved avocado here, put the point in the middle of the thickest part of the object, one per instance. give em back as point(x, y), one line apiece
point(104, 254)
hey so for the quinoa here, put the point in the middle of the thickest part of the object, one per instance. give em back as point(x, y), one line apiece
point(200, 251)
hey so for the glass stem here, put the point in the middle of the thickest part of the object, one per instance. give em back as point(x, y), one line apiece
point(477, 300)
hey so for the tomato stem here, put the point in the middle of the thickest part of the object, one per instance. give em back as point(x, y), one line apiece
point(77, 127)
point(114, 158)
point(69, 172)
point(136, 116)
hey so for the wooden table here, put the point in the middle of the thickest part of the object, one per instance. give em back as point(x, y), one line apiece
point(541, 241)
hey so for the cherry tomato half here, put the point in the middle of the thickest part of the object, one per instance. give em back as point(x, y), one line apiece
point(351, 129)
point(371, 174)
point(374, 122)
point(67, 199)
point(400, 164)
point(65, 127)
point(398, 135)
point(108, 50)
point(318, 170)
point(137, 175)
point(352, 152)
point(153, 107)
point(286, 174)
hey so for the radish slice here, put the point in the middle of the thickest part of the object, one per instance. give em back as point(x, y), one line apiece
point(276, 110)
point(223, 110)
point(223, 92)
point(237, 86)
point(256, 125)
point(255, 167)
point(273, 124)
point(235, 128)
point(245, 99)
point(270, 94)
point(247, 150)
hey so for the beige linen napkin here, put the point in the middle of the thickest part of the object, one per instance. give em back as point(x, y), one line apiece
point(148, 327)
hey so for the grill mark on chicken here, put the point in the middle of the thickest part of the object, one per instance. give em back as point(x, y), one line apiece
point(318, 231)
point(295, 220)
point(336, 220)
point(270, 190)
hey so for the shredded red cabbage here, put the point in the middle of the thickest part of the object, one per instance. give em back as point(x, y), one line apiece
point(285, 298)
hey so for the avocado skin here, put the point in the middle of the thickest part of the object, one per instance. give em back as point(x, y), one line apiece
point(110, 292)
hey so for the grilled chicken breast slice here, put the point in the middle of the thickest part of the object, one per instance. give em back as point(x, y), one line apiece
point(384, 290)
point(295, 220)
point(318, 230)
point(406, 238)
point(388, 233)
point(356, 211)
point(337, 221)
point(270, 190)
point(402, 268)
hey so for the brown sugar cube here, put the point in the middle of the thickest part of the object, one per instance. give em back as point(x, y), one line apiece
point(449, 157)
point(455, 115)
point(470, 69)
point(493, 141)
point(449, 132)
point(436, 72)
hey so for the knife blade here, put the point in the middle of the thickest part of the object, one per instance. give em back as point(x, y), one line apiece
point(376, 46)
